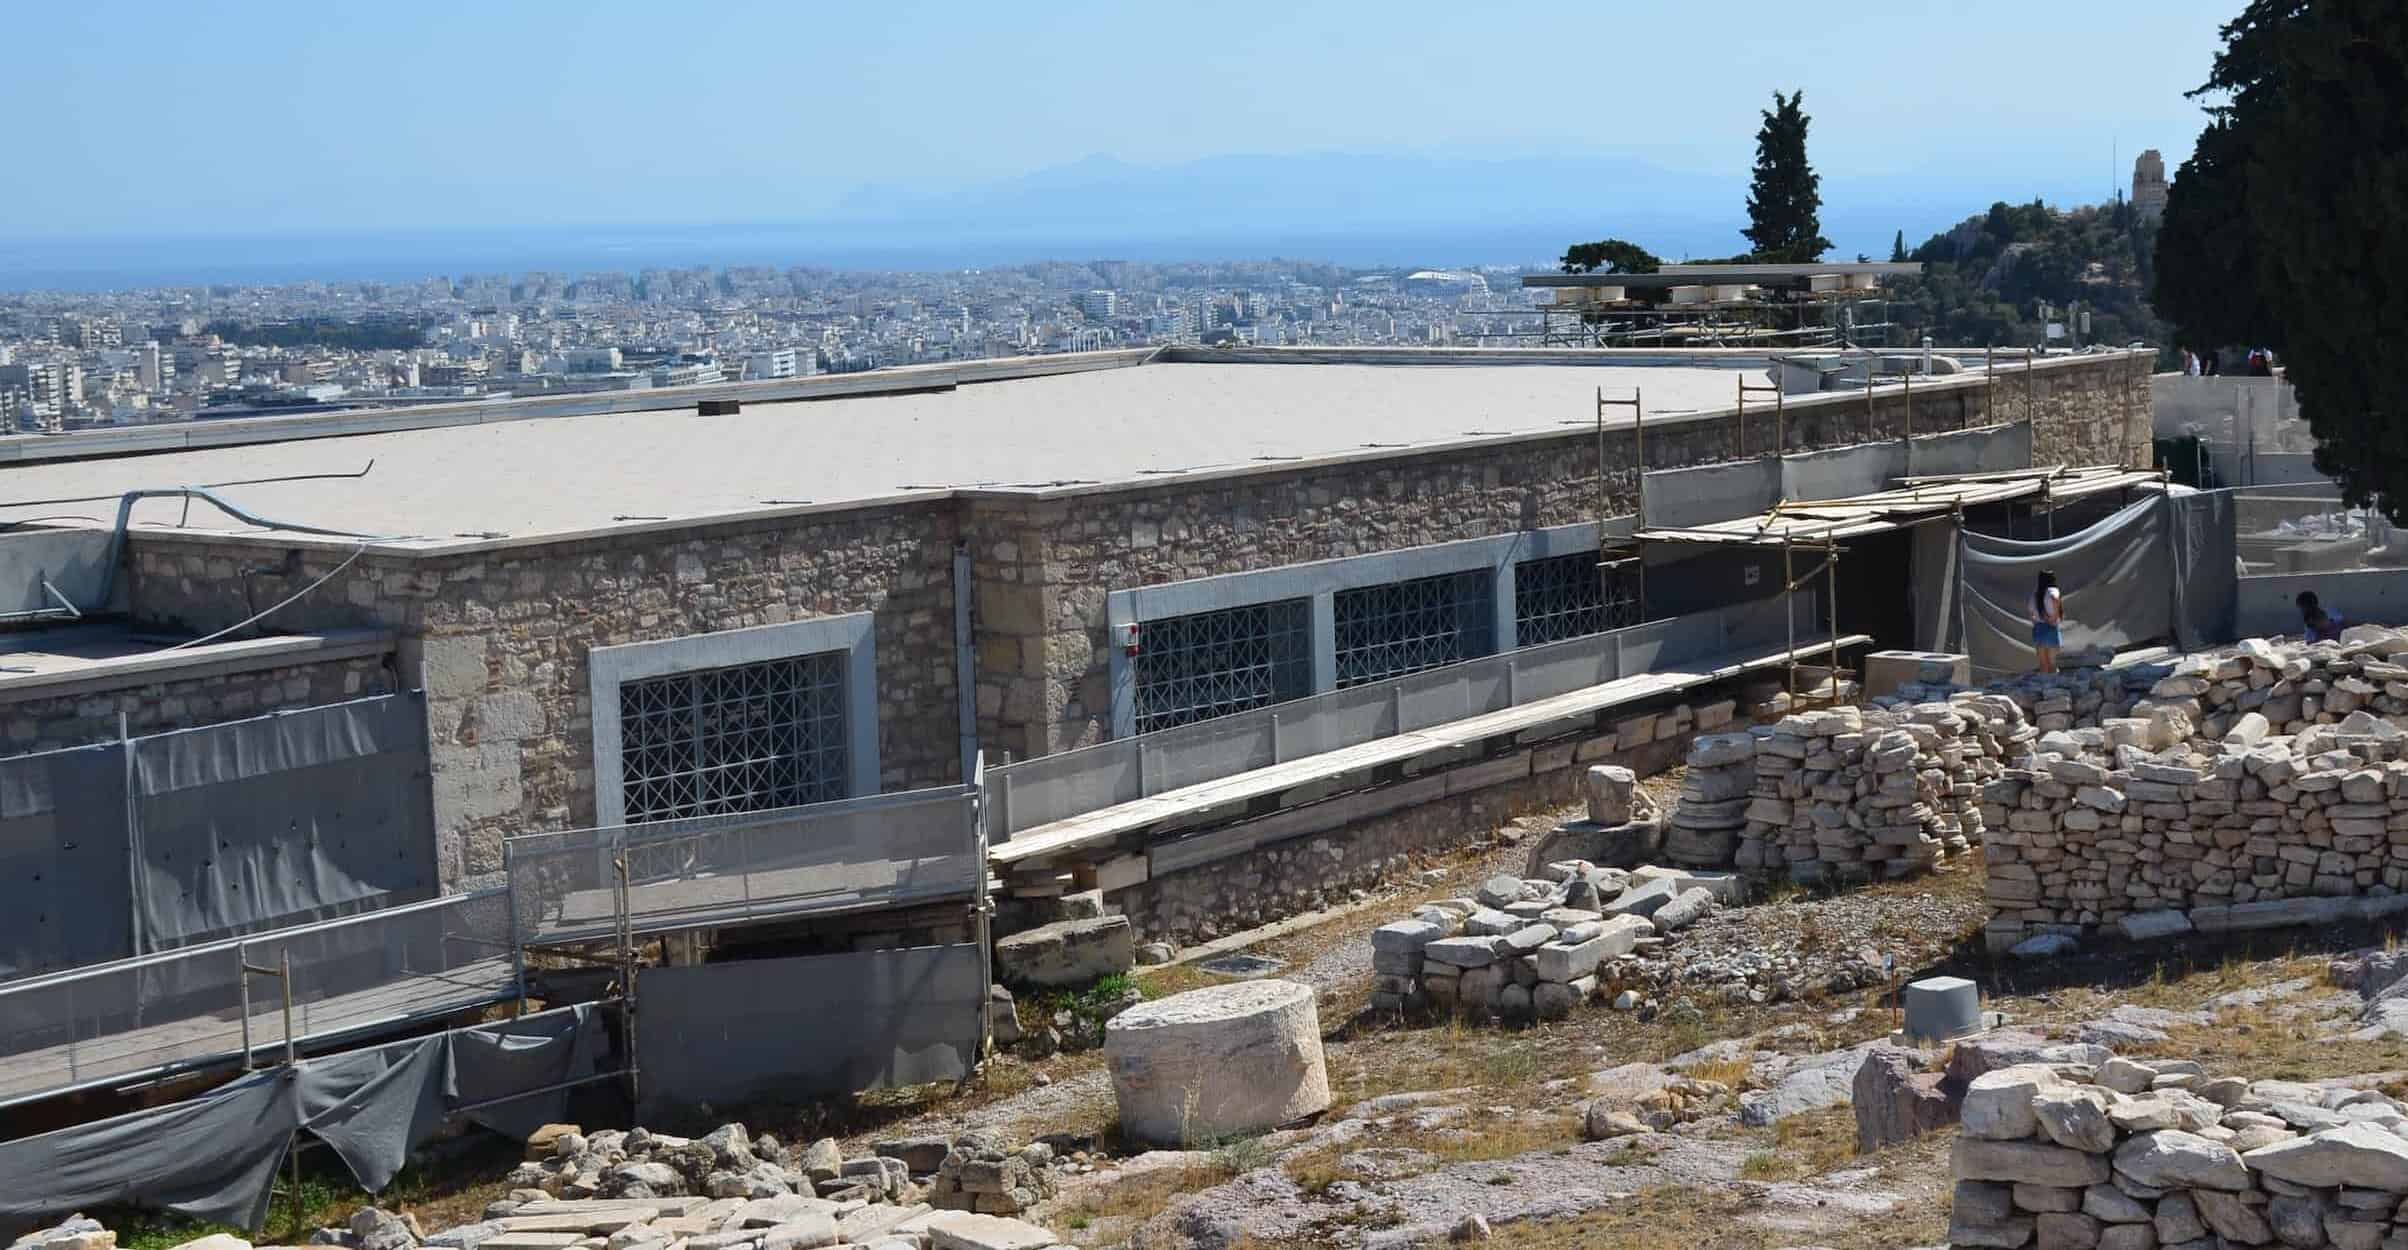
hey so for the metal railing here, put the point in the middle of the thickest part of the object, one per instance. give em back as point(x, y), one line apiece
point(882, 850)
point(189, 1008)
point(1069, 783)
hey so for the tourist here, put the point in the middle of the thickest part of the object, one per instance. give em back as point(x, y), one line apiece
point(2320, 625)
point(2048, 616)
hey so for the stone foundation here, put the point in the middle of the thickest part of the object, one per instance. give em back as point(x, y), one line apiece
point(1327, 868)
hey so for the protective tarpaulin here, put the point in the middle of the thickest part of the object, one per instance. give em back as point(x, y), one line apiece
point(726, 1033)
point(2206, 568)
point(63, 861)
point(2159, 569)
point(214, 1157)
point(283, 819)
point(233, 828)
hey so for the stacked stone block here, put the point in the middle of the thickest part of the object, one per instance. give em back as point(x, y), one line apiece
point(1527, 948)
point(2127, 1155)
point(1847, 793)
point(2260, 787)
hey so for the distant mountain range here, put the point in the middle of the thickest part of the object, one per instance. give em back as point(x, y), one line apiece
point(1357, 209)
point(1504, 203)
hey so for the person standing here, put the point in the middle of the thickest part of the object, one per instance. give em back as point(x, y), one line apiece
point(2048, 619)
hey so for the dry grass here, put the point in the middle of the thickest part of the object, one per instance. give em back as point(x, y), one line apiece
point(1733, 1073)
point(1805, 1145)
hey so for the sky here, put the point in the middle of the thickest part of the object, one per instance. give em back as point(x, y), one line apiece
point(259, 117)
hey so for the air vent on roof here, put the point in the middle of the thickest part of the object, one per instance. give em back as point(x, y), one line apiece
point(717, 407)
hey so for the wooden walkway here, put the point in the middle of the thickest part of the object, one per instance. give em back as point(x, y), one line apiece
point(192, 1043)
point(1067, 838)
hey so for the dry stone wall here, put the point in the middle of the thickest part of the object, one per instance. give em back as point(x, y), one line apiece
point(1848, 793)
point(2261, 786)
point(2158, 1155)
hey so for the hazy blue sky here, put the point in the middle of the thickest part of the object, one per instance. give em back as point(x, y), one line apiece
point(282, 115)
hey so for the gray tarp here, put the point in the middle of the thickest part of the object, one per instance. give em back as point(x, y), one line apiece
point(2160, 569)
point(283, 819)
point(233, 828)
point(726, 1033)
point(214, 1157)
point(63, 861)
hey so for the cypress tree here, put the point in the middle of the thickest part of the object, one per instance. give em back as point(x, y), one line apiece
point(1785, 197)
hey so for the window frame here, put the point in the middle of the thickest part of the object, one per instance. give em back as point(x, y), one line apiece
point(611, 667)
point(1319, 581)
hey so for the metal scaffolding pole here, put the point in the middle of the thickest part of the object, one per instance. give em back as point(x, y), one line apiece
point(1638, 438)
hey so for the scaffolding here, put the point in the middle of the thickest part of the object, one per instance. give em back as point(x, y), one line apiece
point(1827, 319)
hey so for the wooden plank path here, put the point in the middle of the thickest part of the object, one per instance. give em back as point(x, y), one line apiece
point(1072, 835)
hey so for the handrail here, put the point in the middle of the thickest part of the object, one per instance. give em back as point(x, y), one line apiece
point(221, 945)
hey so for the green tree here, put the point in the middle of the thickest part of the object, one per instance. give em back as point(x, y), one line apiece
point(2312, 91)
point(1785, 200)
point(1610, 255)
point(2206, 263)
point(1898, 248)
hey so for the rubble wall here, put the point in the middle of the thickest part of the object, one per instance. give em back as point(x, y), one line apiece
point(2126, 1155)
point(1845, 794)
point(2263, 786)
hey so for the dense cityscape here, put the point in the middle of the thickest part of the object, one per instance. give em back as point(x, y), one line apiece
point(81, 360)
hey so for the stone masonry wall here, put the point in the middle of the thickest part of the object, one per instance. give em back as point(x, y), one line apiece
point(2262, 786)
point(2116, 1154)
point(74, 720)
point(1045, 566)
point(1325, 869)
point(500, 639)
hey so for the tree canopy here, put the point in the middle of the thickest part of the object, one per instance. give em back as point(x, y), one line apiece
point(2306, 178)
point(1984, 279)
point(1610, 255)
point(1785, 199)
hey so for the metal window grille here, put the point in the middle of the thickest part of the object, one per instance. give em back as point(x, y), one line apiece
point(1208, 664)
point(740, 739)
point(1404, 627)
point(1569, 596)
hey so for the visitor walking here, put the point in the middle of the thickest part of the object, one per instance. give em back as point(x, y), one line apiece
point(2048, 616)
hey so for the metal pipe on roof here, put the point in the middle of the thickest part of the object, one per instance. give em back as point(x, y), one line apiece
point(125, 516)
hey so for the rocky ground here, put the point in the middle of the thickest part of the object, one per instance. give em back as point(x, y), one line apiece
point(1720, 1118)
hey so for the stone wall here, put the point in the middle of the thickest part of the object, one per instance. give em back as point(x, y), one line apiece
point(1329, 868)
point(1845, 794)
point(1045, 565)
point(2126, 1155)
point(499, 639)
point(80, 719)
point(2256, 787)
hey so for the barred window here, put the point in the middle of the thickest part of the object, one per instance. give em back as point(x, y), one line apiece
point(1207, 664)
point(1404, 627)
point(740, 739)
point(1569, 596)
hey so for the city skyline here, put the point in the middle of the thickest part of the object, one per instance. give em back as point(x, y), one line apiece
point(863, 117)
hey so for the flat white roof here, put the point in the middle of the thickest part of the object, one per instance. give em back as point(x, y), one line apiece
point(522, 478)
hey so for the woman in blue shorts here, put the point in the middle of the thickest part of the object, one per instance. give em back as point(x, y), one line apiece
point(2048, 616)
